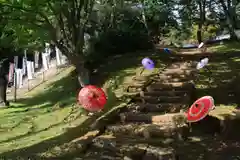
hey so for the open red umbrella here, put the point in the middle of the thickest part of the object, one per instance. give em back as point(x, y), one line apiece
point(200, 109)
point(92, 98)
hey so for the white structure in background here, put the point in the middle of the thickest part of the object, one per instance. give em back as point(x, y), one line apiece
point(19, 75)
point(45, 61)
point(24, 63)
point(18, 80)
point(58, 57)
point(46, 57)
point(48, 53)
point(28, 66)
point(64, 59)
point(30, 71)
point(36, 59)
point(11, 72)
point(32, 67)
point(61, 59)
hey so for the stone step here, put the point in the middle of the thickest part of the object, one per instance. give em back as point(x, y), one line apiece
point(169, 87)
point(162, 99)
point(127, 147)
point(135, 149)
point(132, 94)
point(180, 66)
point(141, 78)
point(151, 118)
point(173, 80)
point(144, 130)
point(156, 153)
point(134, 84)
point(165, 93)
point(134, 87)
point(177, 71)
point(169, 78)
point(168, 84)
point(162, 107)
point(179, 76)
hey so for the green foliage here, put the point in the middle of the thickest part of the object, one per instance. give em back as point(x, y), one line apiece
point(126, 33)
point(115, 26)
point(209, 32)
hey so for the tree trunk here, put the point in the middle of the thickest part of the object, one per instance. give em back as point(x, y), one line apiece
point(199, 33)
point(83, 76)
point(82, 71)
point(230, 19)
point(78, 61)
point(3, 91)
point(202, 6)
point(3, 83)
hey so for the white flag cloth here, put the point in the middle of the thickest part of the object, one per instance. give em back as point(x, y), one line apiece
point(45, 61)
point(29, 70)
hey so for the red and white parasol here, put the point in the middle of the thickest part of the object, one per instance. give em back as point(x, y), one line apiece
point(200, 109)
point(92, 98)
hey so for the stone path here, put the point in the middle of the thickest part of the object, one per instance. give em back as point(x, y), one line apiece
point(140, 130)
point(153, 126)
point(145, 119)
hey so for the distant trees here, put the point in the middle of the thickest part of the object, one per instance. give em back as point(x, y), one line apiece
point(113, 26)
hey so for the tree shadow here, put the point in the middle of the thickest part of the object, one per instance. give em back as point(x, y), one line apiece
point(222, 81)
point(206, 148)
point(195, 146)
point(58, 94)
point(112, 65)
point(32, 130)
point(62, 91)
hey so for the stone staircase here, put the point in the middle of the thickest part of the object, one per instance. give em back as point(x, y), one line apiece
point(143, 130)
point(152, 126)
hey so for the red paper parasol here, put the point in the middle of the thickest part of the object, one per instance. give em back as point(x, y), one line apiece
point(92, 98)
point(200, 109)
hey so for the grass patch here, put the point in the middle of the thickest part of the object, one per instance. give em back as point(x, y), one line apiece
point(49, 110)
point(48, 107)
point(222, 79)
point(226, 47)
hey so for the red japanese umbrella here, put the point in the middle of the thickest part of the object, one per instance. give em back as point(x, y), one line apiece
point(200, 109)
point(92, 98)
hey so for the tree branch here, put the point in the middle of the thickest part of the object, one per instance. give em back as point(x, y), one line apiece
point(23, 21)
point(20, 8)
point(59, 20)
point(88, 7)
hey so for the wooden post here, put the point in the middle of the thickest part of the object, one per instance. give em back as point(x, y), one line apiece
point(28, 85)
point(15, 77)
point(15, 86)
point(43, 76)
